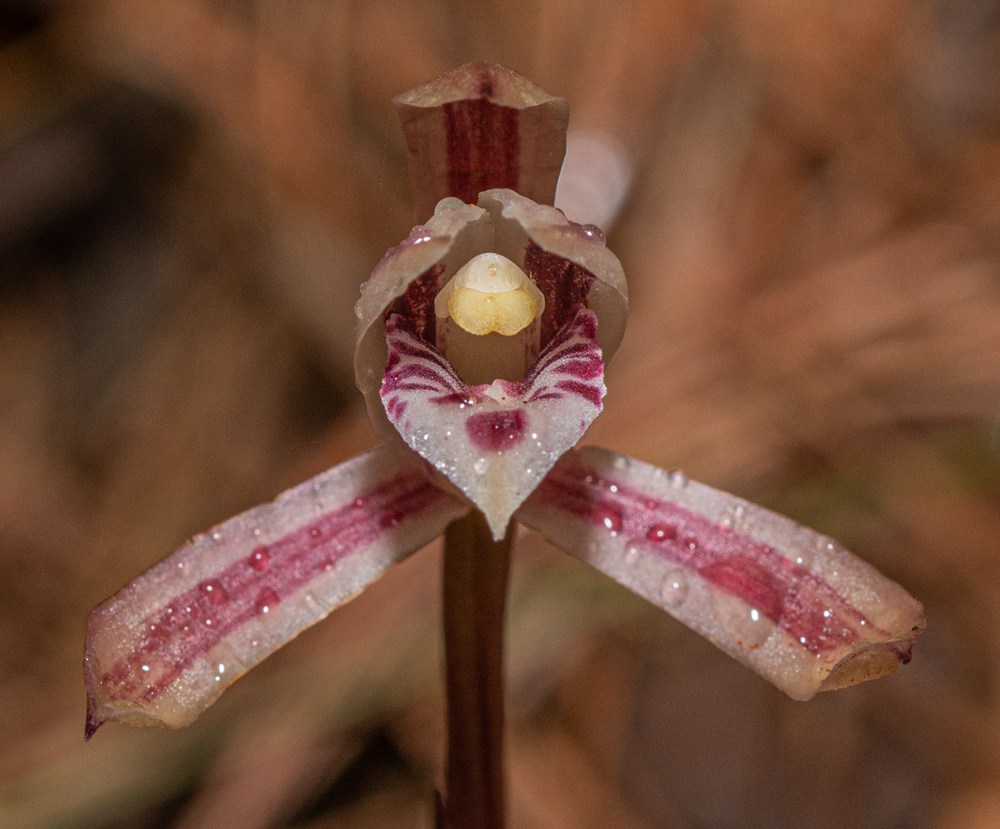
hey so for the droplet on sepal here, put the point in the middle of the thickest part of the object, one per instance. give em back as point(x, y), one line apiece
point(266, 600)
point(610, 518)
point(259, 560)
point(748, 626)
point(674, 588)
point(661, 532)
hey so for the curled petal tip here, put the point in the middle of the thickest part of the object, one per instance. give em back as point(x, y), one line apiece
point(871, 661)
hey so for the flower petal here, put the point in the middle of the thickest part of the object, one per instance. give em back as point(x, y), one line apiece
point(790, 603)
point(162, 649)
point(495, 442)
point(478, 127)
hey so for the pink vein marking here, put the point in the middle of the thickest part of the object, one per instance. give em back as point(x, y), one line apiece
point(177, 635)
point(787, 593)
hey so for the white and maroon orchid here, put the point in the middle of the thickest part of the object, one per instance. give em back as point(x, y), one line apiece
point(481, 348)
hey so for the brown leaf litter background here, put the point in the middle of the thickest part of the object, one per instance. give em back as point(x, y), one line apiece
point(191, 193)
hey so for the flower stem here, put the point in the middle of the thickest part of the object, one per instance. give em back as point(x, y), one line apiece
point(475, 592)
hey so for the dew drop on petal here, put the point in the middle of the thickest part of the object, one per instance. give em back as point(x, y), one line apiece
point(609, 518)
point(260, 560)
point(213, 589)
point(390, 518)
point(674, 589)
point(266, 600)
point(661, 532)
point(732, 519)
point(480, 466)
point(632, 553)
point(747, 625)
point(677, 479)
point(802, 557)
point(592, 232)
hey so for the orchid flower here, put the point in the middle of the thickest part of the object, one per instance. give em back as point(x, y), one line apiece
point(482, 343)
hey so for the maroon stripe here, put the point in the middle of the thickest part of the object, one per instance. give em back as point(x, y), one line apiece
point(804, 605)
point(587, 392)
point(564, 284)
point(483, 147)
point(197, 619)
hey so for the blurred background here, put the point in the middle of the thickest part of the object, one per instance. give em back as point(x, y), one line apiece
point(806, 199)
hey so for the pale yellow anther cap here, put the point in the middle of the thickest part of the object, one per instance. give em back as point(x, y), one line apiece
point(490, 293)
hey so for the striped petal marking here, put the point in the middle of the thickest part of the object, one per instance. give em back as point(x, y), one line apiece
point(791, 604)
point(163, 649)
point(495, 442)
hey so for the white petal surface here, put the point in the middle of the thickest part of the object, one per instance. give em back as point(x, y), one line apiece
point(792, 604)
point(494, 442)
point(162, 649)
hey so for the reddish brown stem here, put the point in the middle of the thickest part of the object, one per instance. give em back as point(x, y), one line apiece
point(475, 591)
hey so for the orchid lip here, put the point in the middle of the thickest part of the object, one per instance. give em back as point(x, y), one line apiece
point(494, 441)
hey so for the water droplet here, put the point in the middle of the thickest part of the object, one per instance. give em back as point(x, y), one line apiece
point(733, 518)
point(747, 625)
point(824, 544)
point(266, 600)
point(480, 466)
point(621, 464)
point(260, 560)
point(609, 518)
point(592, 232)
point(613, 488)
point(360, 502)
point(674, 589)
point(216, 536)
point(144, 669)
point(181, 565)
point(213, 589)
point(390, 518)
point(677, 479)
point(661, 532)
point(632, 553)
point(314, 532)
point(256, 531)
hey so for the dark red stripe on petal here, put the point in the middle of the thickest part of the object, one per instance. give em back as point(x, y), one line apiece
point(483, 147)
point(807, 608)
point(198, 619)
point(588, 392)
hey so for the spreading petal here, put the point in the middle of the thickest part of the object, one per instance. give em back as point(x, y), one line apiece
point(165, 647)
point(494, 442)
point(791, 604)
